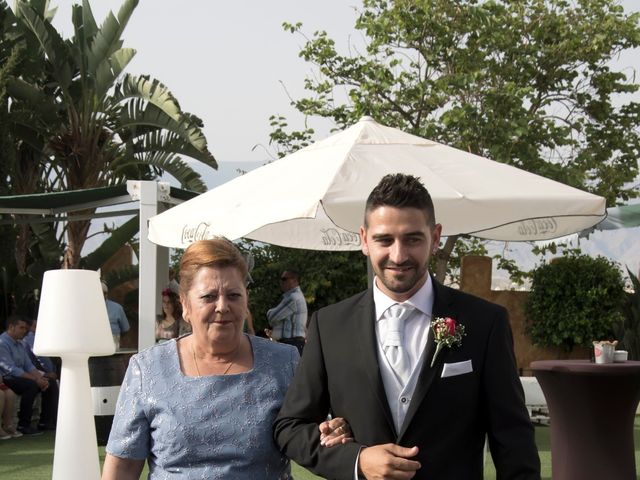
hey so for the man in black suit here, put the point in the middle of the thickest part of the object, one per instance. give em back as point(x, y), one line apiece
point(372, 360)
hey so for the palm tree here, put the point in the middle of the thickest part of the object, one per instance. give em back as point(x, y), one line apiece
point(23, 163)
point(99, 125)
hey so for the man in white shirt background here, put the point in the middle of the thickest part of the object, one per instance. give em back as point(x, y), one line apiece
point(288, 319)
point(117, 318)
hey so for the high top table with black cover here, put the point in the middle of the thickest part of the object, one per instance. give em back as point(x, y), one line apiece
point(106, 374)
point(592, 410)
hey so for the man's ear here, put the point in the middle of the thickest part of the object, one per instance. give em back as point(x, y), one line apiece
point(435, 236)
point(363, 241)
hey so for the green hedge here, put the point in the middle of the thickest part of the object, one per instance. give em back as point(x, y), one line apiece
point(574, 300)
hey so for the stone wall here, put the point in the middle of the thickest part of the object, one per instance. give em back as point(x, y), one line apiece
point(476, 279)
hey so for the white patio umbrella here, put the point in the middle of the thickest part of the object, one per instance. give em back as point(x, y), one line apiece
point(315, 197)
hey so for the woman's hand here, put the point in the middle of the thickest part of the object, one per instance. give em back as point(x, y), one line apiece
point(335, 432)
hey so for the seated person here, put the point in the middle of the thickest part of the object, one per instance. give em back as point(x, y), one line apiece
point(23, 378)
point(7, 402)
point(44, 364)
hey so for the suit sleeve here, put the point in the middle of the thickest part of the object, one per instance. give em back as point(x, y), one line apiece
point(511, 434)
point(305, 406)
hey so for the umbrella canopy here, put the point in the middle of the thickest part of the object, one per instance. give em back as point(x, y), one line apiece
point(315, 197)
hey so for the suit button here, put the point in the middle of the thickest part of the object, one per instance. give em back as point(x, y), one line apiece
point(404, 399)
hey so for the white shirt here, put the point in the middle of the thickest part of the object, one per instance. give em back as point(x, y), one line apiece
point(416, 334)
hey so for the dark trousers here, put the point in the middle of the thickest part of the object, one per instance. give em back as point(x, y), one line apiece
point(28, 389)
point(297, 342)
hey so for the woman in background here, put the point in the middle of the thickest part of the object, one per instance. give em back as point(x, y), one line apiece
point(171, 324)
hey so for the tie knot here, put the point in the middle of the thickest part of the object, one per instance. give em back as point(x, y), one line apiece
point(396, 315)
point(400, 311)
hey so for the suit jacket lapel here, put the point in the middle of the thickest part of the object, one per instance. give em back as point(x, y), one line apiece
point(441, 308)
point(368, 352)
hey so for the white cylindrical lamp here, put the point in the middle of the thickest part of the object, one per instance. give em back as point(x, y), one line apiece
point(73, 324)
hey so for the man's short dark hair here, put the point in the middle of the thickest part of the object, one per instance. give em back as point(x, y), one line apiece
point(401, 191)
point(16, 318)
point(292, 273)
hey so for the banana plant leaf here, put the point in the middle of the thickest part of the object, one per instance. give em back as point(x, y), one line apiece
point(119, 237)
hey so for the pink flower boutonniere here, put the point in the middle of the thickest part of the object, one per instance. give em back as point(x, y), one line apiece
point(447, 333)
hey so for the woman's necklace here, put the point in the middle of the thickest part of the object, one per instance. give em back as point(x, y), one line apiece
point(233, 360)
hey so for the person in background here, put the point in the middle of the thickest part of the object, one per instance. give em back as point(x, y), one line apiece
point(203, 405)
point(117, 318)
point(44, 364)
point(288, 319)
point(7, 405)
point(168, 324)
point(174, 289)
point(21, 376)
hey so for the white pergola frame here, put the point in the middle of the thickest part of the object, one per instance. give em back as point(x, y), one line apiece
point(153, 265)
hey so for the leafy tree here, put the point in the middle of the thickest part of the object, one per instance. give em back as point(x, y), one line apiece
point(23, 165)
point(98, 126)
point(574, 300)
point(325, 277)
point(71, 119)
point(525, 82)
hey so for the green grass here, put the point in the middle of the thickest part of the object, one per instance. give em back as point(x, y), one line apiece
point(31, 458)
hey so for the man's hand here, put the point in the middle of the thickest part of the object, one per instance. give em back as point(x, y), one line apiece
point(388, 461)
point(334, 432)
point(43, 383)
point(51, 375)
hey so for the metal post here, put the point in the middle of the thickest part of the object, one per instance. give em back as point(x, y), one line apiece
point(153, 261)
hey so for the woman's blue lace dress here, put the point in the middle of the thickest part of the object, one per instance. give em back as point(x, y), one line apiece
point(211, 427)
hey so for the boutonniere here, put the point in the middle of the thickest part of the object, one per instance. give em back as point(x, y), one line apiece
point(447, 333)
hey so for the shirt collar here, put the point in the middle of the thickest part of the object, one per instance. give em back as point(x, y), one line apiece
point(9, 338)
point(421, 300)
point(291, 291)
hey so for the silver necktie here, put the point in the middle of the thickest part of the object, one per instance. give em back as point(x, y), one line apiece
point(393, 344)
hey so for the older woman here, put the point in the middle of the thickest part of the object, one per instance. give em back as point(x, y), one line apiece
point(202, 406)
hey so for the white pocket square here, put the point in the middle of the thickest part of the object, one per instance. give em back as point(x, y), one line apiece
point(458, 368)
